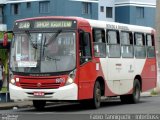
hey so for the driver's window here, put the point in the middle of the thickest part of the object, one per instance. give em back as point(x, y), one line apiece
point(85, 48)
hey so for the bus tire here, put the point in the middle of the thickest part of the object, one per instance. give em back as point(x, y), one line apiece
point(39, 104)
point(135, 96)
point(96, 101)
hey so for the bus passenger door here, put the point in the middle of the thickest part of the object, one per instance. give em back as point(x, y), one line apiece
point(86, 68)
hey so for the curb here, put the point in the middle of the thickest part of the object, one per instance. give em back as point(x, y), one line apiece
point(15, 105)
point(146, 94)
point(149, 94)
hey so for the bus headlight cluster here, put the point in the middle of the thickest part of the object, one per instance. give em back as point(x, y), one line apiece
point(13, 81)
point(71, 78)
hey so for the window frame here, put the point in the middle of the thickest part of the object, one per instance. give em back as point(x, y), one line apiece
point(86, 8)
point(98, 43)
point(109, 44)
point(28, 5)
point(109, 12)
point(140, 12)
point(101, 8)
point(104, 37)
point(143, 35)
point(152, 37)
point(153, 45)
point(131, 43)
point(43, 5)
point(117, 33)
point(143, 45)
point(15, 9)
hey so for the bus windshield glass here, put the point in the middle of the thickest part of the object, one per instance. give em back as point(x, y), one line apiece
point(43, 52)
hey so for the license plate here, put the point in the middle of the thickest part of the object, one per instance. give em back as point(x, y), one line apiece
point(38, 93)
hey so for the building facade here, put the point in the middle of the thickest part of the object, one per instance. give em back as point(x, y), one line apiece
point(136, 12)
point(3, 26)
point(19, 9)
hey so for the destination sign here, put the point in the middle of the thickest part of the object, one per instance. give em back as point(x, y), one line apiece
point(52, 24)
point(24, 25)
point(44, 24)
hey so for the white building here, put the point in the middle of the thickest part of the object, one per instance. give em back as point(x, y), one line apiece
point(106, 10)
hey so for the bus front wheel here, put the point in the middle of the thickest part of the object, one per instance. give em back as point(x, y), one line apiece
point(39, 104)
point(96, 101)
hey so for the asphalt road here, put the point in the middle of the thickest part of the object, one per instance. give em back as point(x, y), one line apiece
point(74, 111)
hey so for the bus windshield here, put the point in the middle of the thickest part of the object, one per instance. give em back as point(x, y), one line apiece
point(43, 52)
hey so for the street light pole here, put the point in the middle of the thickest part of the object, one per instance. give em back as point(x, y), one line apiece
point(157, 44)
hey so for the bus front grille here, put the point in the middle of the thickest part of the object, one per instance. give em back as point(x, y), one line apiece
point(40, 85)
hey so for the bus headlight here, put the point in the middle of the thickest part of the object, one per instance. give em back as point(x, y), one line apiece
point(71, 78)
point(69, 81)
point(13, 81)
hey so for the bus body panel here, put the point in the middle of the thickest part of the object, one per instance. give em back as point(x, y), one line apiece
point(149, 75)
point(119, 73)
point(69, 92)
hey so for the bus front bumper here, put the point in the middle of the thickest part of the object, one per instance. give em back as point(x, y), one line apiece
point(69, 92)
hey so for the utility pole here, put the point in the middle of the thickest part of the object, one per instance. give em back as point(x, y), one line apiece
point(157, 43)
point(157, 27)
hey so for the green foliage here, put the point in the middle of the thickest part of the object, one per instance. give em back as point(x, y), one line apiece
point(153, 92)
point(10, 36)
point(1, 35)
point(4, 89)
point(4, 57)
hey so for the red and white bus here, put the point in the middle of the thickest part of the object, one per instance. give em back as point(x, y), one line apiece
point(76, 59)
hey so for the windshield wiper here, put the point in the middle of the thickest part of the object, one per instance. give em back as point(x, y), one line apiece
point(29, 37)
point(53, 37)
point(50, 58)
point(54, 59)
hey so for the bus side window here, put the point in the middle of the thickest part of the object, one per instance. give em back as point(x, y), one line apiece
point(127, 50)
point(99, 43)
point(114, 50)
point(150, 46)
point(140, 51)
point(85, 47)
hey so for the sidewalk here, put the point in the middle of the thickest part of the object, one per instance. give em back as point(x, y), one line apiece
point(18, 104)
point(146, 94)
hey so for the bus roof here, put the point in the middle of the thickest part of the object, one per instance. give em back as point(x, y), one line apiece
point(97, 23)
point(119, 26)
